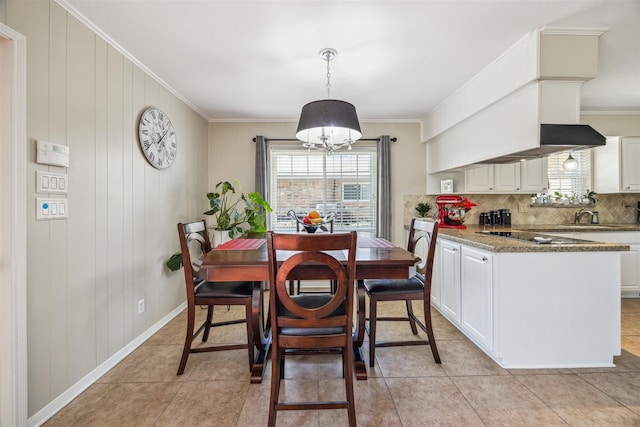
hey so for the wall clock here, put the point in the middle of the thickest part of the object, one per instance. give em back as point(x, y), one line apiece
point(157, 138)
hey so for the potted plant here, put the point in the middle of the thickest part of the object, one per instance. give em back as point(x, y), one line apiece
point(235, 212)
point(423, 208)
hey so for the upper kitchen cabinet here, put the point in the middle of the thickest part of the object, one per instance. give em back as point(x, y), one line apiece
point(615, 166)
point(521, 177)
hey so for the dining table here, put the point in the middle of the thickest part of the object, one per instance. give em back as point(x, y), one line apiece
point(246, 259)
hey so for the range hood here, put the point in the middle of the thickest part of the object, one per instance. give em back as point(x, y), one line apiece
point(555, 138)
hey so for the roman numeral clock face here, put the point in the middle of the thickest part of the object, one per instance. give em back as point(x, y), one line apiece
point(157, 138)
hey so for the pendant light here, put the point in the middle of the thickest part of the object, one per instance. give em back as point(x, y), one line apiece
point(570, 163)
point(329, 124)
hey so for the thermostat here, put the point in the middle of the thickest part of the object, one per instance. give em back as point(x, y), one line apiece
point(52, 154)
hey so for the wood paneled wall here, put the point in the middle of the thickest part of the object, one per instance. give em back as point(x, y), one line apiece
point(86, 274)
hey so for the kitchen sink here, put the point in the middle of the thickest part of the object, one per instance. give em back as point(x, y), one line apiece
point(588, 226)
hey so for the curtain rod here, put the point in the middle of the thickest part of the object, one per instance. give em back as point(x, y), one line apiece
point(294, 139)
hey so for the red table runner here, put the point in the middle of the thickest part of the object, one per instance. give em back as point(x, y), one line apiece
point(241, 244)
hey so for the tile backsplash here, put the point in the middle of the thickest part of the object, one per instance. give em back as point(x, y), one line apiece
point(612, 208)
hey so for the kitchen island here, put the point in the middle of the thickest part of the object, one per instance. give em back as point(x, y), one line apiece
point(531, 305)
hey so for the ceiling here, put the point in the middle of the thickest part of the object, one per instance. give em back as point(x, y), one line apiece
point(258, 60)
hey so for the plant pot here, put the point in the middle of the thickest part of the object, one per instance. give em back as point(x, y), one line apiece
point(219, 237)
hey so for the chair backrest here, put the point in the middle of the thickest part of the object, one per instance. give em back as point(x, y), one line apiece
point(194, 242)
point(423, 235)
point(319, 250)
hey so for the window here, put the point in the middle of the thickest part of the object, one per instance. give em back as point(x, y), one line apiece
point(344, 183)
point(569, 181)
point(356, 191)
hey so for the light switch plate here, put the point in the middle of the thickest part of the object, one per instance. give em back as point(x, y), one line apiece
point(51, 183)
point(49, 208)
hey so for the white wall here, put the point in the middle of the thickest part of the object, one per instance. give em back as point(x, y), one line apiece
point(232, 155)
point(86, 274)
point(618, 124)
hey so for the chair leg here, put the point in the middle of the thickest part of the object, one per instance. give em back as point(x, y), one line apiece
point(250, 347)
point(411, 317)
point(276, 373)
point(348, 377)
point(207, 325)
point(432, 338)
point(191, 315)
point(373, 309)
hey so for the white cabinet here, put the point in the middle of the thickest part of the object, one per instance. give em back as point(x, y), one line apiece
point(534, 176)
point(479, 179)
point(449, 274)
point(476, 296)
point(436, 280)
point(465, 275)
point(506, 178)
point(521, 177)
point(615, 166)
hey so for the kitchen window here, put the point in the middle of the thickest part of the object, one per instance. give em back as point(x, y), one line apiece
point(344, 183)
point(569, 181)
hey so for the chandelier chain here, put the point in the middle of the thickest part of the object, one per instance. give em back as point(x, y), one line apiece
point(328, 59)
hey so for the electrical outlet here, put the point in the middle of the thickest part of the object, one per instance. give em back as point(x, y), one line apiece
point(141, 306)
point(522, 207)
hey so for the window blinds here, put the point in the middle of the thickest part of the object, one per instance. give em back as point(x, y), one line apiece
point(344, 182)
point(569, 181)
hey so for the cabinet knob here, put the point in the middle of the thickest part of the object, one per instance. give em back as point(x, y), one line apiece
point(484, 258)
point(491, 188)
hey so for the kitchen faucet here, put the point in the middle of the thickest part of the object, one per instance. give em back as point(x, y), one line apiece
point(582, 212)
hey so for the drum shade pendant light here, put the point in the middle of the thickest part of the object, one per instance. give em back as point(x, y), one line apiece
point(570, 163)
point(328, 124)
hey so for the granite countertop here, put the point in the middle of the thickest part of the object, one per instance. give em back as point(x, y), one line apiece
point(471, 236)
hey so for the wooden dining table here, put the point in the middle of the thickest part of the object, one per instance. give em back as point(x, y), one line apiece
point(246, 259)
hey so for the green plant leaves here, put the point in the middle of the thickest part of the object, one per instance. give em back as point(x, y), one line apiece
point(230, 216)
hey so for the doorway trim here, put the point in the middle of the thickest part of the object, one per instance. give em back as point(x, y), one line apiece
point(13, 244)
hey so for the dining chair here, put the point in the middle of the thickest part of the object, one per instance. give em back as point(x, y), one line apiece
point(194, 242)
point(314, 323)
point(423, 235)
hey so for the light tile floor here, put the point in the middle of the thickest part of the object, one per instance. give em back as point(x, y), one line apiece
point(405, 388)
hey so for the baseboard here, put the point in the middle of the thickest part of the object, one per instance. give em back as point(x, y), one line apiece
point(72, 392)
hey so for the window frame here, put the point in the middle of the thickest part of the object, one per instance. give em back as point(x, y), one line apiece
point(371, 210)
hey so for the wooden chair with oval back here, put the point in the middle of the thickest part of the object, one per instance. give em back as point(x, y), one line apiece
point(422, 243)
point(316, 323)
point(194, 241)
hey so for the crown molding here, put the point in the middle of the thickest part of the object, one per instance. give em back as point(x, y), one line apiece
point(610, 112)
point(76, 14)
point(575, 31)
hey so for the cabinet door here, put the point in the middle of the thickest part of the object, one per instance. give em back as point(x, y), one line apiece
point(476, 296)
point(507, 177)
point(533, 176)
point(436, 280)
point(450, 281)
point(630, 161)
point(479, 179)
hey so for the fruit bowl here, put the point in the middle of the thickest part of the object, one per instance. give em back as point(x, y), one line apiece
point(310, 228)
point(313, 226)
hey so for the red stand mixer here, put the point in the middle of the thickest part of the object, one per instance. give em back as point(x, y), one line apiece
point(452, 210)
